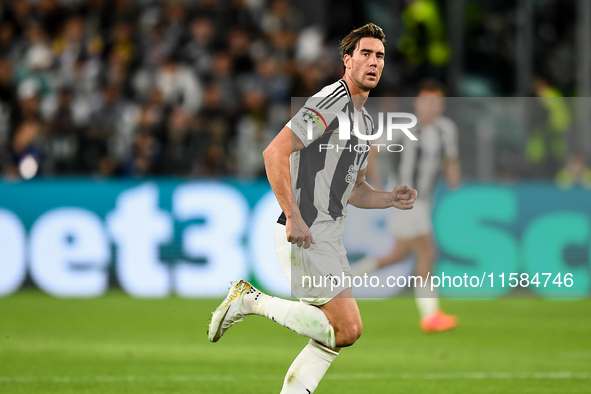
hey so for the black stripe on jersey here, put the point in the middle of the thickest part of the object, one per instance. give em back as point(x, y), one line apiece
point(334, 101)
point(417, 169)
point(360, 158)
point(441, 142)
point(373, 127)
point(327, 98)
point(339, 183)
point(346, 87)
point(372, 132)
point(312, 161)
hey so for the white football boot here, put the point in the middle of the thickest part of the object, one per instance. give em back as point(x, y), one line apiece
point(231, 310)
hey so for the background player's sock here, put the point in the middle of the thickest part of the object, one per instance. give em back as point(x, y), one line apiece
point(308, 369)
point(366, 265)
point(427, 300)
point(306, 320)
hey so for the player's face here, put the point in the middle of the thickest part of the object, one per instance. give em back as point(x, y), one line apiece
point(429, 105)
point(366, 65)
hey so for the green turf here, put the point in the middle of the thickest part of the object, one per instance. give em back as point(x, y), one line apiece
point(117, 344)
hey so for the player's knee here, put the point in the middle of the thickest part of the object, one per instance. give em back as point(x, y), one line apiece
point(347, 336)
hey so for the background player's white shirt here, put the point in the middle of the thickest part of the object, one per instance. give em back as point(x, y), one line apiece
point(420, 162)
point(323, 174)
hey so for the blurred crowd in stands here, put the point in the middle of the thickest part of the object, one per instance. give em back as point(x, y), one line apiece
point(199, 88)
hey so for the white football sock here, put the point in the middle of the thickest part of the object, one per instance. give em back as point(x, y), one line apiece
point(306, 320)
point(427, 300)
point(307, 369)
point(366, 265)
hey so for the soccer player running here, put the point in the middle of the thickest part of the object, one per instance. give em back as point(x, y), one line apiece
point(419, 165)
point(313, 187)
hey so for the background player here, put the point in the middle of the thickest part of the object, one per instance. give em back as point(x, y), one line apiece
point(313, 188)
point(419, 165)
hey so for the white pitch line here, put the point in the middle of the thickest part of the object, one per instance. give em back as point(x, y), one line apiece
point(363, 376)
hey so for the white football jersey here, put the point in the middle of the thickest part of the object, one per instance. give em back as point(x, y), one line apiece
point(323, 174)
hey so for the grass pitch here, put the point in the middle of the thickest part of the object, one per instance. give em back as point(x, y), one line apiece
point(117, 344)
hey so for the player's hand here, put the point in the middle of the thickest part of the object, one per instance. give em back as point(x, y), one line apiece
point(403, 197)
point(298, 232)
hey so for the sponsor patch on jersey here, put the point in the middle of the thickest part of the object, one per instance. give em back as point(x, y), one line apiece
point(351, 176)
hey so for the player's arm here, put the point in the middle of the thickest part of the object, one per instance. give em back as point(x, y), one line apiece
point(451, 163)
point(365, 196)
point(372, 168)
point(276, 157)
point(452, 172)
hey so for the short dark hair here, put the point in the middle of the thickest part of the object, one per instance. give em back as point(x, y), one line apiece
point(431, 85)
point(349, 43)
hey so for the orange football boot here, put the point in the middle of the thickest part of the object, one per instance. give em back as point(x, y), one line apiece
point(438, 321)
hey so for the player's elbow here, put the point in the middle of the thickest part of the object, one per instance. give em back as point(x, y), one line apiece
point(271, 152)
point(267, 152)
point(268, 155)
point(274, 156)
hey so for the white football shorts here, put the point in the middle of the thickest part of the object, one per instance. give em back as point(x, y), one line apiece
point(316, 274)
point(411, 223)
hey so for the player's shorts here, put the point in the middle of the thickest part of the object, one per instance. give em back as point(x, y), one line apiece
point(312, 273)
point(412, 223)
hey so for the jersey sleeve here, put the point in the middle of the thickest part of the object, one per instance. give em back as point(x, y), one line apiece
point(364, 163)
point(312, 113)
point(450, 139)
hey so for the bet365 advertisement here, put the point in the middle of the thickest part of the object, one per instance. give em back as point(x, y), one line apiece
point(76, 237)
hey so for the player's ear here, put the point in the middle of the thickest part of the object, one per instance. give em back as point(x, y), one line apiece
point(347, 60)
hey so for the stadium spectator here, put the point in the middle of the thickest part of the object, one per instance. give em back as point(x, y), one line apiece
point(252, 135)
point(198, 51)
point(177, 83)
point(63, 138)
point(546, 146)
point(110, 135)
point(25, 150)
point(9, 44)
point(51, 14)
point(179, 146)
point(8, 96)
point(146, 156)
point(222, 75)
point(423, 41)
point(575, 172)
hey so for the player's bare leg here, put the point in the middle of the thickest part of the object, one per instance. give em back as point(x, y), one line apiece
point(343, 314)
point(432, 319)
point(398, 254)
point(369, 264)
point(424, 251)
point(309, 367)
